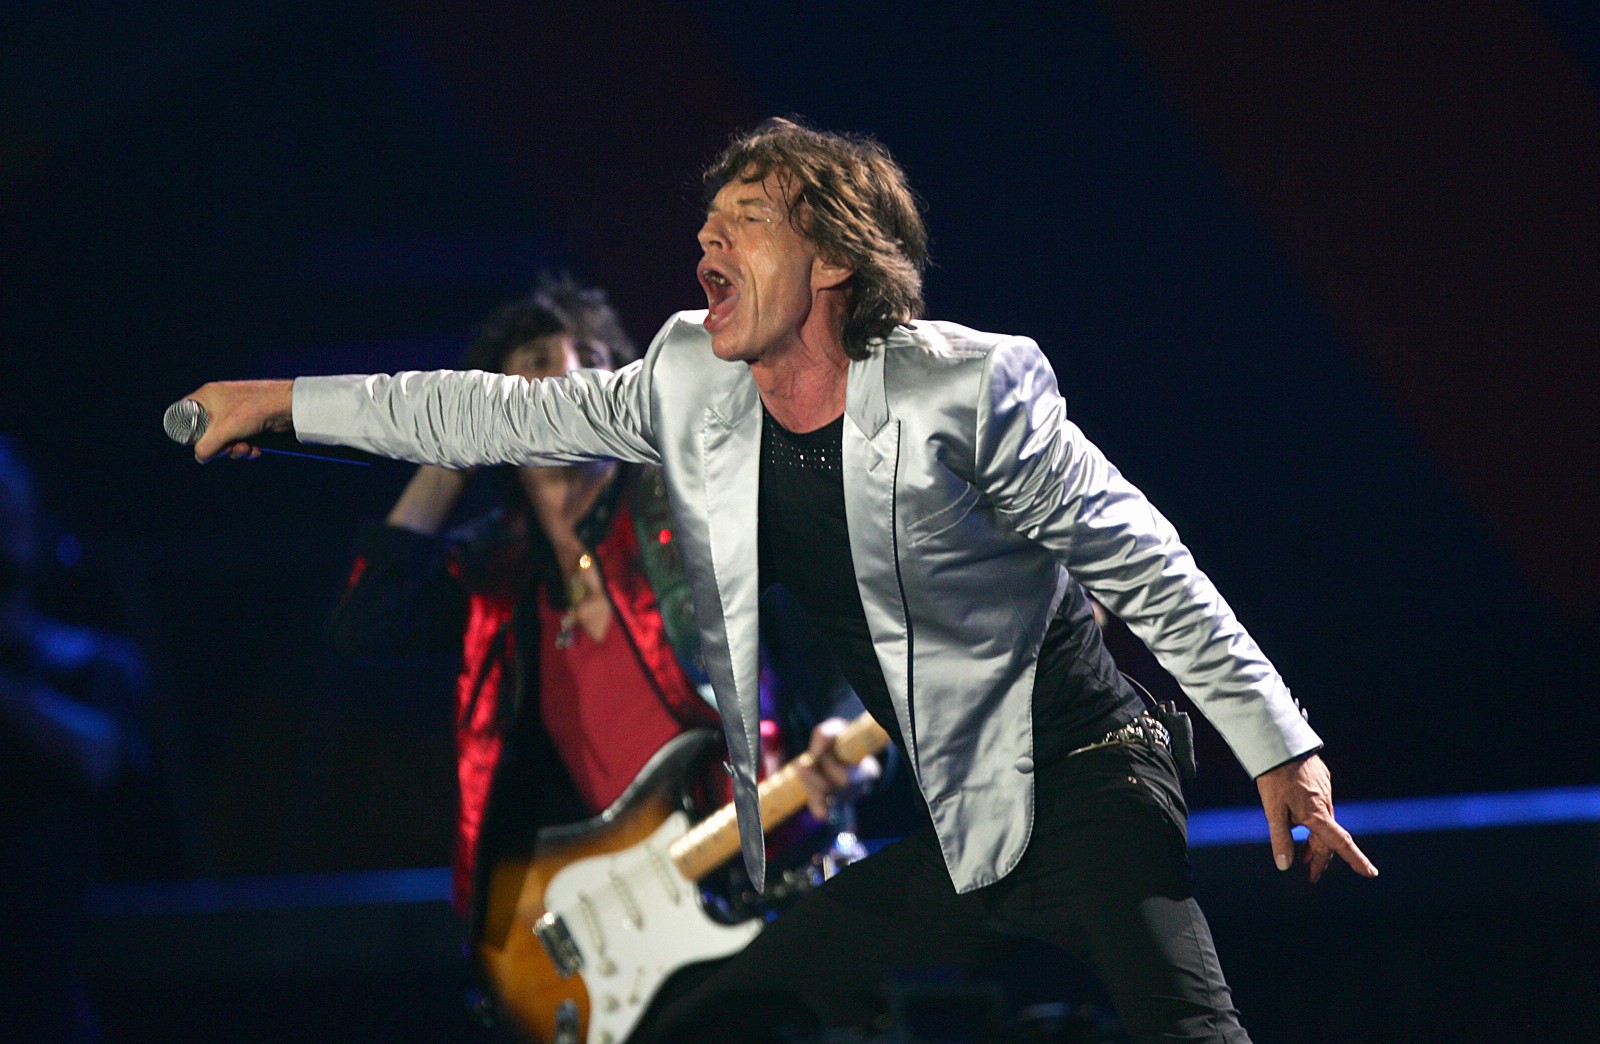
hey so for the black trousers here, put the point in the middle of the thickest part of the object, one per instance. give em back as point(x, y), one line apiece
point(1105, 876)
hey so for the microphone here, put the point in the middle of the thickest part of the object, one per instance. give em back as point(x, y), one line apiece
point(186, 420)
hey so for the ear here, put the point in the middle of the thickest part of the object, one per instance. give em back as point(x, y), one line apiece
point(828, 275)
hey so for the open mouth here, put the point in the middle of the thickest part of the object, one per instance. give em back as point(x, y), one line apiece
point(721, 297)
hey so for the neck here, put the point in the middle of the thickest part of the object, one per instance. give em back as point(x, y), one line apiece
point(803, 386)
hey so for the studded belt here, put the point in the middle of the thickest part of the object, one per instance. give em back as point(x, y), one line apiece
point(1143, 730)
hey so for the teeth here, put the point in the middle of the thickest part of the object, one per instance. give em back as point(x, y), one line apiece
point(717, 279)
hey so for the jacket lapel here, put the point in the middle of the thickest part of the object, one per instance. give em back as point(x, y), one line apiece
point(871, 457)
point(731, 444)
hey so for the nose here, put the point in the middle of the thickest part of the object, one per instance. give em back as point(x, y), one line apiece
point(712, 234)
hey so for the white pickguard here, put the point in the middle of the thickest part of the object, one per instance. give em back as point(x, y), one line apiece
point(636, 920)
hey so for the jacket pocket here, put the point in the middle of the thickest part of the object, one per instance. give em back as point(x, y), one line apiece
point(926, 526)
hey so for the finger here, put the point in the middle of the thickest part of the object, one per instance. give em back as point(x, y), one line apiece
point(1318, 856)
point(866, 772)
point(212, 446)
point(836, 772)
point(816, 788)
point(208, 448)
point(1338, 839)
point(212, 443)
point(823, 735)
point(1282, 840)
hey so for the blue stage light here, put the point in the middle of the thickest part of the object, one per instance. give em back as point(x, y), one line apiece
point(1207, 828)
point(1231, 826)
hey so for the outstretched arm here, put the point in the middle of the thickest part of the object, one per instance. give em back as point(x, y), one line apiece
point(458, 419)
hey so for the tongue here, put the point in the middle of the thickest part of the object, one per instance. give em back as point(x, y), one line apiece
point(719, 311)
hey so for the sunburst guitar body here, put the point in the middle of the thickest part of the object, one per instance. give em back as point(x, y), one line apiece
point(580, 937)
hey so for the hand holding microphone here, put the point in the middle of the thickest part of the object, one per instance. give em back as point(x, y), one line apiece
point(242, 420)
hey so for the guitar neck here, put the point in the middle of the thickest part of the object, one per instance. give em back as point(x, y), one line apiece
point(715, 839)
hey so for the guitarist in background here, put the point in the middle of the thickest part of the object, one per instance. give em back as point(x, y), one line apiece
point(580, 650)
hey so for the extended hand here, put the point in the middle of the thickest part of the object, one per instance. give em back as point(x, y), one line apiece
point(824, 776)
point(1301, 794)
point(237, 410)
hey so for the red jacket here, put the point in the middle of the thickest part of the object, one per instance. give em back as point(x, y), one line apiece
point(475, 592)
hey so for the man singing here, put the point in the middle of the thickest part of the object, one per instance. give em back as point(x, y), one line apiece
point(918, 488)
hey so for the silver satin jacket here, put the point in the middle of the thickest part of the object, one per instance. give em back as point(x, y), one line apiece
point(970, 498)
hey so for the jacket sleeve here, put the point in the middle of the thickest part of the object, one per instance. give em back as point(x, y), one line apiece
point(462, 419)
point(1057, 488)
point(400, 598)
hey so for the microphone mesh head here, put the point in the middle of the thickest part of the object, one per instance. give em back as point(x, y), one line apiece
point(185, 422)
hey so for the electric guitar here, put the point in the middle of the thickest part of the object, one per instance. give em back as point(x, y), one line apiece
point(579, 937)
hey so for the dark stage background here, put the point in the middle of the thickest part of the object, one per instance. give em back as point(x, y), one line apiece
point(1321, 278)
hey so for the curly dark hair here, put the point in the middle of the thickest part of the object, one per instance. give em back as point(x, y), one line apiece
point(558, 304)
point(852, 200)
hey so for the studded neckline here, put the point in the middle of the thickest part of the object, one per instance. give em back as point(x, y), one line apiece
point(807, 451)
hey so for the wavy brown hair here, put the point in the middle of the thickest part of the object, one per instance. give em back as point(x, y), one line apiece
point(851, 199)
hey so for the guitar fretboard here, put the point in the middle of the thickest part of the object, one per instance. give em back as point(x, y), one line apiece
point(715, 839)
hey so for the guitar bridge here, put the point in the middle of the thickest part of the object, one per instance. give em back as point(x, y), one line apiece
point(558, 944)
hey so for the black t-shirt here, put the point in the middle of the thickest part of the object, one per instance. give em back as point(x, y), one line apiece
point(1078, 693)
